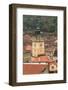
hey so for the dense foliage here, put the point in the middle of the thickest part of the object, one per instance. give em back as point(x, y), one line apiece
point(42, 23)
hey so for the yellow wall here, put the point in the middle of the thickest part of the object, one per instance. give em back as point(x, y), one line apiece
point(37, 48)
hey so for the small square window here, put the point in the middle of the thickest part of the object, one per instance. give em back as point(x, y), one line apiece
point(40, 44)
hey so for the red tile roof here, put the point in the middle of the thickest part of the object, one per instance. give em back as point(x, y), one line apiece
point(28, 47)
point(33, 68)
point(41, 59)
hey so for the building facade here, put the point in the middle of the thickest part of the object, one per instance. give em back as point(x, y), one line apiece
point(38, 46)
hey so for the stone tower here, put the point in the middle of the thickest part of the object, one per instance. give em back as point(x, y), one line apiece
point(38, 44)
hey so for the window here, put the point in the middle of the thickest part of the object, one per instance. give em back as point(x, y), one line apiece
point(40, 44)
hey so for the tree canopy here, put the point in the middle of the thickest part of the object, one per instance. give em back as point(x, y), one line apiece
point(43, 23)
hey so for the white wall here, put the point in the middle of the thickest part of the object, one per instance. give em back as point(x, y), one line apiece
point(4, 44)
